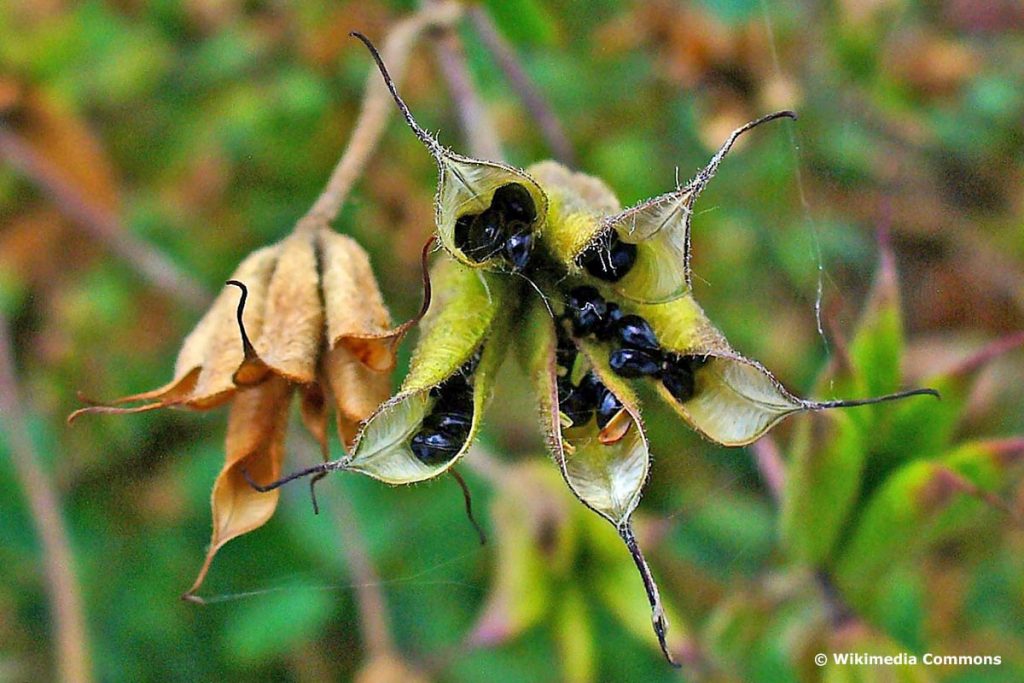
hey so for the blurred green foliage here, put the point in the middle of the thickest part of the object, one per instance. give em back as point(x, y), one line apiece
point(216, 126)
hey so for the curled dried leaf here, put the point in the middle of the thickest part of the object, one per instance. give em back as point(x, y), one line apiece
point(254, 449)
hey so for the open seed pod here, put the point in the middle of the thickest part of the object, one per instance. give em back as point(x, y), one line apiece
point(424, 429)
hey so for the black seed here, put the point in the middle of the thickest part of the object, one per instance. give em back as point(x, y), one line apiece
point(432, 447)
point(518, 249)
point(577, 407)
point(485, 236)
point(636, 332)
point(678, 379)
point(632, 363)
point(591, 388)
point(462, 226)
point(610, 262)
point(515, 203)
point(607, 330)
point(469, 367)
point(587, 310)
point(607, 408)
point(697, 362)
point(455, 425)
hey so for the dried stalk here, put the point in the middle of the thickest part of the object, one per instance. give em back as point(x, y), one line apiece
point(103, 226)
point(376, 110)
point(477, 128)
point(770, 465)
point(507, 60)
point(71, 649)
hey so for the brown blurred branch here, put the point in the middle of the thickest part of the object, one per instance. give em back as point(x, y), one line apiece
point(101, 225)
point(770, 466)
point(70, 643)
point(508, 61)
point(373, 609)
point(377, 108)
point(477, 128)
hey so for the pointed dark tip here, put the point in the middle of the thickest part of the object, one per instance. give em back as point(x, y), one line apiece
point(852, 403)
point(193, 598)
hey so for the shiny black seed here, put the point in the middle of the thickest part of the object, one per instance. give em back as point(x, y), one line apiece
point(634, 363)
point(591, 388)
point(606, 330)
point(455, 425)
point(518, 249)
point(696, 362)
point(485, 236)
point(462, 226)
point(678, 379)
point(636, 332)
point(577, 407)
point(587, 310)
point(607, 407)
point(515, 203)
point(610, 262)
point(469, 367)
point(432, 447)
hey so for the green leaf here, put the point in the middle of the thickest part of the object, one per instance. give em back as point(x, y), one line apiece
point(926, 428)
point(821, 485)
point(575, 638)
point(914, 507)
point(876, 349)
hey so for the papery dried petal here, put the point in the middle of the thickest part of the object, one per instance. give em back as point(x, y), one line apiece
point(357, 390)
point(212, 352)
point(356, 315)
point(216, 337)
point(255, 442)
point(289, 343)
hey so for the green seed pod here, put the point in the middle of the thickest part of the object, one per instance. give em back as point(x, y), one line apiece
point(462, 321)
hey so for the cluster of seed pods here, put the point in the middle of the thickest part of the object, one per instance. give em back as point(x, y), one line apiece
point(503, 229)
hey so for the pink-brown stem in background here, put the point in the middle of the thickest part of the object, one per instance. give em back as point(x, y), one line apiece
point(71, 649)
point(507, 60)
point(103, 226)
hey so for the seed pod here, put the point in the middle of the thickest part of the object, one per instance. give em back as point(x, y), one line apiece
point(403, 441)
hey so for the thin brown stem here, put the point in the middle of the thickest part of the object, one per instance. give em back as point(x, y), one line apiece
point(71, 649)
point(770, 465)
point(373, 609)
point(100, 224)
point(477, 128)
point(508, 61)
point(376, 110)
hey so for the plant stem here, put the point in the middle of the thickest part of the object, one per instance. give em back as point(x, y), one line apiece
point(477, 129)
point(376, 110)
point(103, 226)
point(507, 60)
point(71, 649)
